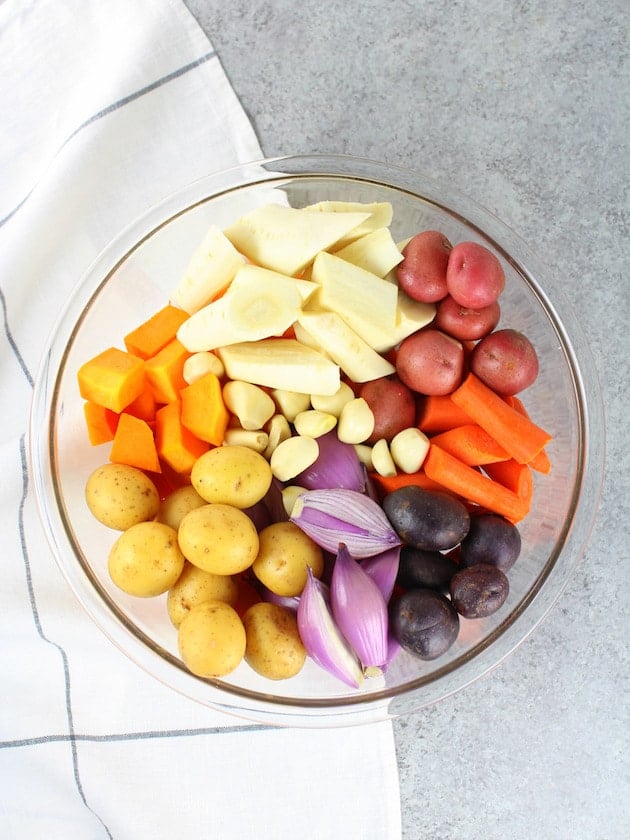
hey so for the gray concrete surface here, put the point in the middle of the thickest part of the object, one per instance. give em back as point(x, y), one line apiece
point(524, 106)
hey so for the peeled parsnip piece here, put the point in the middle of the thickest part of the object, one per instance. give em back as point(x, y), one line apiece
point(381, 214)
point(281, 363)
point(375, 252)
point(286, 239)
point(261, 303)
point(367, 303)
point(411, 315)
point(208, 328)
point(212, 267)
point(356, 358)
point(258, 304)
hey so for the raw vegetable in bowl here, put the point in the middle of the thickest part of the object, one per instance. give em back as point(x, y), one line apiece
point(321, 430)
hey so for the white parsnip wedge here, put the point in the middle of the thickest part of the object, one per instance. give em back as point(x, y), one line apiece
point(258, 304)
point(211, 268)
point(286, 239)
point(353, 355)
point(367, 303)
point(411, 315)
point(375, 252)
point(380, 215)
point(281, 363)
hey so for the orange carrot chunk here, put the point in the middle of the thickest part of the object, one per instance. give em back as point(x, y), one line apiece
point(471, 444)
point(164, 372)
point(541, 461)
point(155, 333)
point(387, 484)
point(439, 413)
point(516, 477)
point(470, 484)
point(176, 445)
point(112, 379)
point(203, 409)
point(519, 436)
point(100, 422)
point(134, 444)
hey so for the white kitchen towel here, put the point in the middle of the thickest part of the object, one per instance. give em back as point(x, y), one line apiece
point(107, 107)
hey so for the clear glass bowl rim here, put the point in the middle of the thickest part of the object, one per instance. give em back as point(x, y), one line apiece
point(486, 656)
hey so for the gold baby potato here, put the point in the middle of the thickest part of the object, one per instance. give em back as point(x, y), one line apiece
point(146, 560)
point(194, 586)
point(284, 555)
point(274, 648)
point(119, 496)
point(211, 639)
point(231, 475)
point(177, 504)
point(218, 538)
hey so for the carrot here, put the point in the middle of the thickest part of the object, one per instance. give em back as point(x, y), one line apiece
point(541, 461)
point(164, 372)
point(516, 477)
point(134, 444)
point(518, 435)
point(439, 413)
point(112, 379)
point(155, 333)
point(471, 444)
point(387, 484)
point(100, 422)
point(176, 445)
point(203, 410)
point(467, 482)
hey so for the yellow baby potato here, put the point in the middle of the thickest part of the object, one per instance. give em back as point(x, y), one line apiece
point(274, 648)
point(231, 475)
point(211, 639)
point(146, 560)
point(177, 504)
point(284, 555)
point(194, 586)
point(218, 538)
point(120, 496)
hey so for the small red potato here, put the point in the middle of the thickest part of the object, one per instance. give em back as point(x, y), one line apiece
point(463, 323)
point(422, 273)
point(505, 361)
point(474, 276)
point(430, 362)
point(393, 406)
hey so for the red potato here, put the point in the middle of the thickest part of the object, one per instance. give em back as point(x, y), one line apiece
point(393, 406)
point(463, 323)
point(474, 276)
point(505, 361)
point(430, 362)
point(422, 273)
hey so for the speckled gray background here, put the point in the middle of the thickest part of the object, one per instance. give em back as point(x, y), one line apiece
point(523, 105)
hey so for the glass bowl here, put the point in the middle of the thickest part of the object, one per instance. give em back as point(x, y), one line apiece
point(132, 279)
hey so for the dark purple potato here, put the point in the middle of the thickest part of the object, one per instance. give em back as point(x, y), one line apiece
point(426, 519)
point(424, 622)
point(491, 539)
point(479, 590)
point(425, 569)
